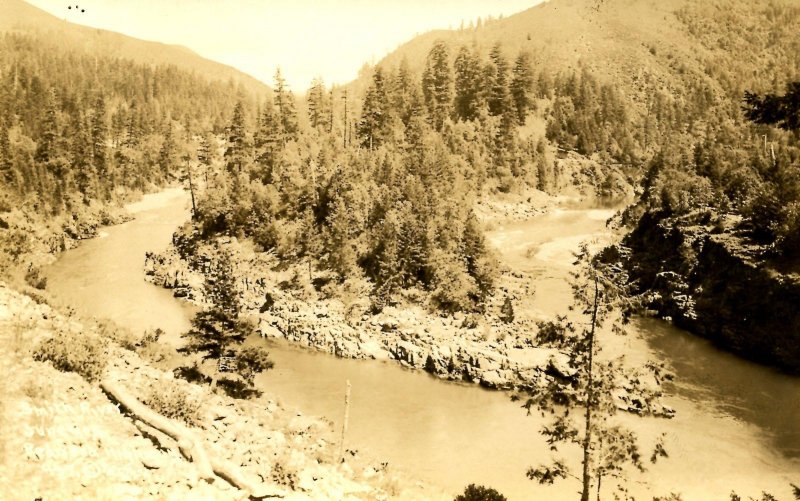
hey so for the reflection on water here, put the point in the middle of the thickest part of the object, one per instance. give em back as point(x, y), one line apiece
point(730, 386)
point(736, 427)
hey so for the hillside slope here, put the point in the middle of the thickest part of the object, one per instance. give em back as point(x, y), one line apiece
point(19, 16)
point(640, 46)
point(673, 77)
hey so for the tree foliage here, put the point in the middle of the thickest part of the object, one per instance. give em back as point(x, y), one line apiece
point(218, 333)
point(593, 385)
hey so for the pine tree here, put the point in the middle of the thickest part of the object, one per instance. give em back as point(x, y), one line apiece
point(499, 97)
point(374, 115)
point(204, 153)
point(133, 132)
point(81, 156)
point(319, 112)
point(592, 386)
point(269, 140)
point(405, 95)
point(522, 85)
point(468, 75)
point(99, 133)
point(167, 154)
point(46, 146)
point(218, 332)
point(5, 153)
point(437, 83)
point(285, 105)
point(236, 155)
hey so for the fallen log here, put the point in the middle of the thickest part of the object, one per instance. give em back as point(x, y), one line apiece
point(190, 446)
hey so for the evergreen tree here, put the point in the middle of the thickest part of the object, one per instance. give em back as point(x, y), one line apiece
point(269, 139)
point(772, 109)
point(46, 146)
point(204, 154)
point(468, 75)
point(593, 386)
point(406, 94)
point(319, 106)
point(5, 153)
point(167, 155)
point(499, 97)
point(522, 81)
point(99, 137)
point(285, 105)
point(81, 156)
point(218, 332)
point(372, 128)
point(236, 154)
point(437, 83)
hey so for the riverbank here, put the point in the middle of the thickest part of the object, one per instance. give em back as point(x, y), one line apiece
point(63, 436)
point(30, 240)
point(728, 432)
point(702, 273)
point(496, 349)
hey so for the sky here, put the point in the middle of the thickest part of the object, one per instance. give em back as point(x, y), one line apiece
point(305, 38)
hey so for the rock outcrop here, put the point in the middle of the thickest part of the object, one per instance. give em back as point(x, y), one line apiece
point(717, 284)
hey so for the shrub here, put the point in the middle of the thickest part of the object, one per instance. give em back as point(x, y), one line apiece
point(238, 388)
point(787, 230)
point(172, 400)
point(192, 374)
point(479, 493)
point(251, 361)
point(84, 354)
point(34, 278)
point(507, 311)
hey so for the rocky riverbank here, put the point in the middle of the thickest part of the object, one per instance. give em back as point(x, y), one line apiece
point(62, 437)
point(30, 240)
point(484, 350)
point(702, 274)
point(496, 349)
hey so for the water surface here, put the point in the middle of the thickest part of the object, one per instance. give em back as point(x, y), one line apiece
point(737, 425)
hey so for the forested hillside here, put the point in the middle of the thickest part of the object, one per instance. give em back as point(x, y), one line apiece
point(371, 186)
point(80, 132)
point(383, 196)
point(677, 92)
point(23, 18)
point(370, 189)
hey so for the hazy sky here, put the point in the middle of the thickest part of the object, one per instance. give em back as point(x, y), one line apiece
point(306, 38)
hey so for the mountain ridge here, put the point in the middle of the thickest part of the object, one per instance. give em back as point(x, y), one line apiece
point(640, 46)
point(22, 17)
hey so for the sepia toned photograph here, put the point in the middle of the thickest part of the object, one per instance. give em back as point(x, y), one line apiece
point(447, 250)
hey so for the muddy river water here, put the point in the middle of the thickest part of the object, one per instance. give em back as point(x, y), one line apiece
point(737, 425)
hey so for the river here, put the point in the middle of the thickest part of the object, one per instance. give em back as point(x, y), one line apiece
point(737, 425)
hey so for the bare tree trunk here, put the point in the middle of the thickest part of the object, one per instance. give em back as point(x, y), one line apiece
point(599, 480)
point(346, 419)
point(599, 472)
point(191, 187)
point(345, 118)
point(587, 440)
point(189, 444)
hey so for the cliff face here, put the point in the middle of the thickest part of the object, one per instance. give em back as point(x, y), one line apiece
point(714, 284)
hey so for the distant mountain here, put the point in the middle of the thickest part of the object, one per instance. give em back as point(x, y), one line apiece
point(19, 16)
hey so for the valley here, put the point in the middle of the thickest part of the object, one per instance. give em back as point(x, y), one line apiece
point(547, 255)
point(394, 409)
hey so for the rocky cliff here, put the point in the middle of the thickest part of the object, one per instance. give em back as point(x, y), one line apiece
point(710, 280)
